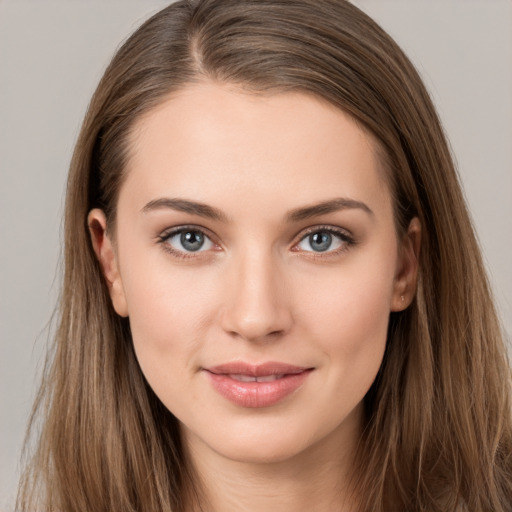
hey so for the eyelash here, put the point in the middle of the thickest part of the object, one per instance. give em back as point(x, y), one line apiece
point(346, 239)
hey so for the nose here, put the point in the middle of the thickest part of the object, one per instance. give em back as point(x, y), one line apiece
point(257, 308)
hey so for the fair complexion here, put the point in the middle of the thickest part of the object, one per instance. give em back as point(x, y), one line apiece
point(218, 258)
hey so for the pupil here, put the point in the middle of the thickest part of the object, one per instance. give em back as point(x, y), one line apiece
point(320, 241)
point(192, 240)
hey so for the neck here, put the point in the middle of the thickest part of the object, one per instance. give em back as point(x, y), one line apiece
point(317, 479)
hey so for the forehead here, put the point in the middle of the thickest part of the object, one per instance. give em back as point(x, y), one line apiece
point(213, 140)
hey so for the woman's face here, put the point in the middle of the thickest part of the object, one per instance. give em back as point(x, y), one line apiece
point(257, 260)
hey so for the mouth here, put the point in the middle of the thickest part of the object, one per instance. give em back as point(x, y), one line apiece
point(256, 386)
point(250, 378)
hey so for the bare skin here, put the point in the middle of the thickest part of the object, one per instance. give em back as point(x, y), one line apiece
point(249, 279)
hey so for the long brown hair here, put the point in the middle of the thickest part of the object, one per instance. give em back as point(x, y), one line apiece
point(438, 431)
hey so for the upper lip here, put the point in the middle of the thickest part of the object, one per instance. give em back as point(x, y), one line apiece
point(256, 370)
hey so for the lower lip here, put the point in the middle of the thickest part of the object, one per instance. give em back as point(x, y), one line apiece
point(257, 394)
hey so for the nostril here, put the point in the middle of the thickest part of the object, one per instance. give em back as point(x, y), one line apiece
point(256, 333)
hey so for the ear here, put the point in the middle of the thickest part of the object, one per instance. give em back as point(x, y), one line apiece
point(105, 252)
point(404, 286)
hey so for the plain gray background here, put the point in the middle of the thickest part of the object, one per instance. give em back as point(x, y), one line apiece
point(52, 54)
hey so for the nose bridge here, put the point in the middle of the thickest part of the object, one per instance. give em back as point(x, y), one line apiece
point(257, 305)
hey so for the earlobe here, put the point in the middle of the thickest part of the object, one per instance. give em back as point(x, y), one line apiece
point(404, 286)
point(105, 252)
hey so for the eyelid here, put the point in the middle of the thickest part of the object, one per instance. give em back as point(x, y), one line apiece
point(166, 233)
point(344, 233)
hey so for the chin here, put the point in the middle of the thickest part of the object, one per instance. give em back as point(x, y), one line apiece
point(267, 440)
point(274, 452)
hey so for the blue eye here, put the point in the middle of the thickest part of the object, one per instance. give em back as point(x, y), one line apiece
point(188, 240)
point(323, 240)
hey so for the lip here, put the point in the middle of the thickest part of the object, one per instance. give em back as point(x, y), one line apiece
point(278, 380)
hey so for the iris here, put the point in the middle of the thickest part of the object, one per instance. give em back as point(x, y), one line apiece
point(320, 241)
point(192, 240)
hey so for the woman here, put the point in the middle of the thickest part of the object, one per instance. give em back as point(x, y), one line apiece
point(273, 297)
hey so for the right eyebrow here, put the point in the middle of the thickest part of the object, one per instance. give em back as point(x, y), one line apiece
point(183, 205)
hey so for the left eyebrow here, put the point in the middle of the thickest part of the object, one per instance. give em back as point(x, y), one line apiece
point(325, 207)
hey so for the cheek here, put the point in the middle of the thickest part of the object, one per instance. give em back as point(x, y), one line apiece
point(348, 316)
point(169, 310)
point(353, 300)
